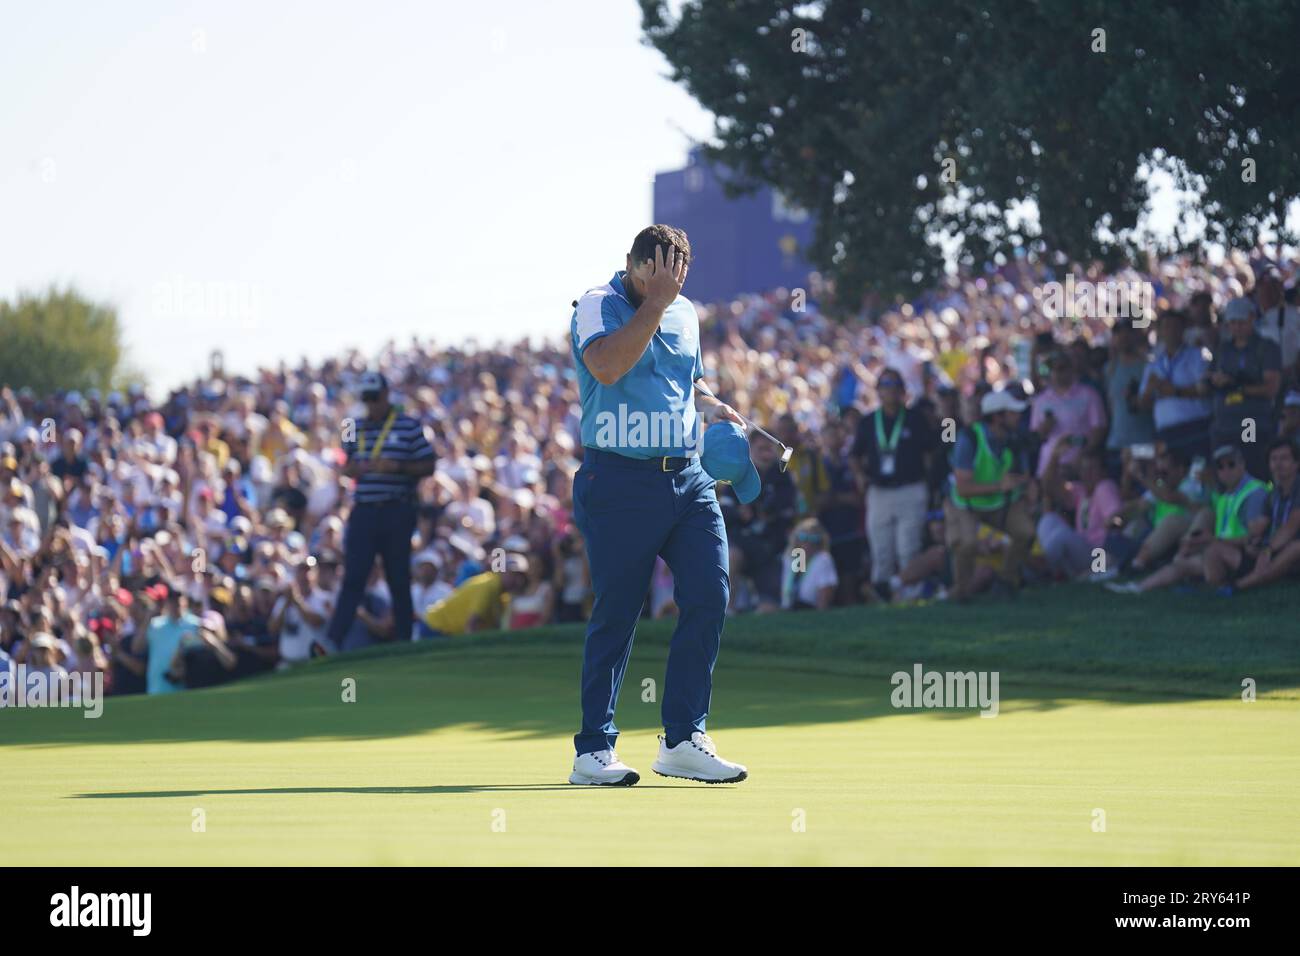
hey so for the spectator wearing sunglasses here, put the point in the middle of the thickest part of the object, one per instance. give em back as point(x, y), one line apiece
point(809, 580)
point(891, 450)
point(1238, 503)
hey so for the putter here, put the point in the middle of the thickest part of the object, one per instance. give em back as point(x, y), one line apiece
point(786, 451)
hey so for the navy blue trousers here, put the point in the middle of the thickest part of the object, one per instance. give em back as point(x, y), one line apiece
point(384, 530)
point(629, 515)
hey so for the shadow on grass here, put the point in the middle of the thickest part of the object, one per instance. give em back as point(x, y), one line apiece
point(1049, 647)
point(280, 791)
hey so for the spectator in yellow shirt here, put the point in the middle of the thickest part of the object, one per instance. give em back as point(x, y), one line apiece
point(480, 602)
point(280, 435)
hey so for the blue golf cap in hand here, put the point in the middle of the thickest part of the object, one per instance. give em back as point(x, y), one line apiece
point(726, 458)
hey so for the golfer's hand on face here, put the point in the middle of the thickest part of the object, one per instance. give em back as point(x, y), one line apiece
point(666, 278)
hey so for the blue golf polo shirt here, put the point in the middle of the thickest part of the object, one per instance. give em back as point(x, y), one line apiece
point(650, 411)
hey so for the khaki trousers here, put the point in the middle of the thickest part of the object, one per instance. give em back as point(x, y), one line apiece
point(961, 529)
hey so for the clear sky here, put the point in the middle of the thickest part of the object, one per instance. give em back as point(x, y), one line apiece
point(277, 179)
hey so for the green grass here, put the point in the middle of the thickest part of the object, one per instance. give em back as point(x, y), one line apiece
point(1132, 706)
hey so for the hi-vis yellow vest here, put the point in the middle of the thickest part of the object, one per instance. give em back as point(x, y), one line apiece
point(986, 470)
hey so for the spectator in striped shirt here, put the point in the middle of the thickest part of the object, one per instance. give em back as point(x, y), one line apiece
point(387, 457)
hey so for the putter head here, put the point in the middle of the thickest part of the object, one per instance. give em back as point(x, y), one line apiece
point(786, 454)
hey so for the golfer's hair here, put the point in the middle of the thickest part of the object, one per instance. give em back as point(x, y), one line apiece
point(665, 237)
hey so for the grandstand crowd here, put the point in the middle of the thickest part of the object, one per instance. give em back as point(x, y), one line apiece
point(958, 446)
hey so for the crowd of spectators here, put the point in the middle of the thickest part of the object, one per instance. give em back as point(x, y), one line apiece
point(972, 440)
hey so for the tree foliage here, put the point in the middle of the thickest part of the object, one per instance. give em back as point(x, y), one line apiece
point(855, 117)
point(58, 340)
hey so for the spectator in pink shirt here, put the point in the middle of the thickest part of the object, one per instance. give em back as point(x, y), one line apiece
point(1094, 500)
point(1067, 412)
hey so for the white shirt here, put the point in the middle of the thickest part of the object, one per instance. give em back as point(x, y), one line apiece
point(423, 597)
point(821, 574)
point(296, 635)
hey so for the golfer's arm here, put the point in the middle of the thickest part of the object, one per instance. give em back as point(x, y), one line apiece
point(610, 356)
point(703, 401)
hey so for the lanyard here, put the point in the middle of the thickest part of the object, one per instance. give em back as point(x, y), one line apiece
point(383, 436)
point(895, 433)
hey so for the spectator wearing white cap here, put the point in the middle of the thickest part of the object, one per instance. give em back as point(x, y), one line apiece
point(427, 587)
point(990, 475)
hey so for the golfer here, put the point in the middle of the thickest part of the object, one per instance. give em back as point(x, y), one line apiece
point(641, 493)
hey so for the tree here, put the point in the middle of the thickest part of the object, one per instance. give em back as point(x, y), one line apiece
point(58, 341)
point(902, 121)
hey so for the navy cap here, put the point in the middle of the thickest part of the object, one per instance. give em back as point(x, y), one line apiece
point(726, 458)
point(372, 383)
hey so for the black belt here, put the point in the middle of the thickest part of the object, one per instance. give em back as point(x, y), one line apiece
point(668, 463)
point(402, 500)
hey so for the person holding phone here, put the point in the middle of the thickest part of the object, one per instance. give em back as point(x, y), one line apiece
point(1067, 411)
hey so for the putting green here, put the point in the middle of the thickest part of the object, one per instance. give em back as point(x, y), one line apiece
point(457, 753)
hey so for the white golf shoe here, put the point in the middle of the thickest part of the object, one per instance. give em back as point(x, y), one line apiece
point(697, 759)
point(602, 769)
